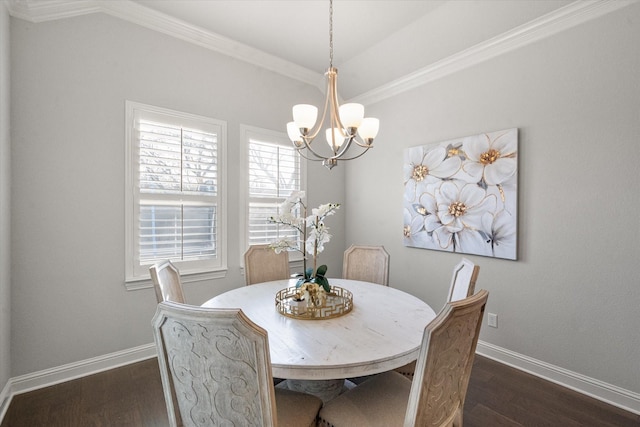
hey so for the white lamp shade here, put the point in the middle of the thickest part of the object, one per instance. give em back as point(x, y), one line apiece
point(305, 115)
point(294, 132)
point(369, 128)
point(337, 135)
point(351, 115)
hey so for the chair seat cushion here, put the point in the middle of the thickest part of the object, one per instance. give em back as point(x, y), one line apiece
point(379, 401)
point(296, 409)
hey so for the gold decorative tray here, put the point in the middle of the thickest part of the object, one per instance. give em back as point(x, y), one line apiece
point(338, 302)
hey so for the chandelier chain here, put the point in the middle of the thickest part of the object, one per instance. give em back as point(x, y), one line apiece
point(331, 33)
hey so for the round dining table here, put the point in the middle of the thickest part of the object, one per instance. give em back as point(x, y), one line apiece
point(383, 331)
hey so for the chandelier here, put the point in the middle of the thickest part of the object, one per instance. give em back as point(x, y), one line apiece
point(346, 122)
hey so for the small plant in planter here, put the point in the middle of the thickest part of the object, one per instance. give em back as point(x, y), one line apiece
point(314, 234)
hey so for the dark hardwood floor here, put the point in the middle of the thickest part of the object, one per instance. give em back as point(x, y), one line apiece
point(132, 396)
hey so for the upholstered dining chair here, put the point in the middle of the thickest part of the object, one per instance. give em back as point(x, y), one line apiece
point(262, 264)
point(366, 263)
point(166, 282)
point(437, 393)
point(216, 370)
point(463, 284)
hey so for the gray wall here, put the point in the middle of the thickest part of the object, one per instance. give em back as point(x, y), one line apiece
point(70, 80)
point(572, 298)
point(5, 190)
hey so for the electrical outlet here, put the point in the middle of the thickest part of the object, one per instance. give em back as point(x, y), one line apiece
point(492, 320)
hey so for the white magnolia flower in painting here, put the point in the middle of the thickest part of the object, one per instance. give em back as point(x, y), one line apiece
point(422, 167)
point(500, 230)
point(459, 212)
point(414, 232)
point(491, 158)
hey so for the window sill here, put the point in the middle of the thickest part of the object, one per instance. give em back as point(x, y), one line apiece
point(146, 283)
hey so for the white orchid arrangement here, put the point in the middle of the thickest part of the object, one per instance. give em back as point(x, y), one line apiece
point(314, 235)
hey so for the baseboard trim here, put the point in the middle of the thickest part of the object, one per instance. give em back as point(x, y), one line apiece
point(608, 393)
point(5, 399)
point(71, 371)
point(613, 395)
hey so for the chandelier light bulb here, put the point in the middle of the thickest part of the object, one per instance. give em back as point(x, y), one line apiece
point(305, 115)
point(337, 135)
point(294, 134)
point(368, 130)
point(351, 115)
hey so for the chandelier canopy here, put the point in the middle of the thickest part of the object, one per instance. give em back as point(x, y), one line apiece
point(345, 122)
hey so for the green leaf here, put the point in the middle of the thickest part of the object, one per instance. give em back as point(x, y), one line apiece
point(308, 273)
point(322, 281)
point(322, 270)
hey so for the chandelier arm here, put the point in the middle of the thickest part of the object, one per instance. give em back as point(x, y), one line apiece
point(363, 144)
point(351, 158)
point(336, 157)
point(307, 145)
point(311, 135)
point(317, 159)
point(335, 113)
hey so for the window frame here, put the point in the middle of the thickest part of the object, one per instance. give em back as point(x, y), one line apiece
point(247, 133)
point(136, 275)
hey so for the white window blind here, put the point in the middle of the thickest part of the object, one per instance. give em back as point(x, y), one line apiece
point(176, 187)
point(275, 171)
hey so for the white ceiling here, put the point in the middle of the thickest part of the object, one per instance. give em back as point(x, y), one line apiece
point(298, 30)
point(381, 47)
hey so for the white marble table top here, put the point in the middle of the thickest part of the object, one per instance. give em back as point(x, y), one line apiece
point(382, 332)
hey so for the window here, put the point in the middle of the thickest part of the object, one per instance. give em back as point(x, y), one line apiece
point(175, 191)
point(274, 171)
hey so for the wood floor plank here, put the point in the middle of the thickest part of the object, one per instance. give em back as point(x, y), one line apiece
point(482, 416)
point(131, 396)
point(532, 401)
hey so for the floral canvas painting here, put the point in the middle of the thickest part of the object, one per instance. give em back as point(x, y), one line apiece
point(461, 195)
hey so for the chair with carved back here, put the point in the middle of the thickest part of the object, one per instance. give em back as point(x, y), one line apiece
point(437, 393)
point(263, 264)
point(216, 370)
point(166, 282)
point(366, 263)
point(463, 284)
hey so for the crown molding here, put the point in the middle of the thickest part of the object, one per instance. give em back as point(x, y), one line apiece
point(557, 21)
point(547, 25)
point(33, 11)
